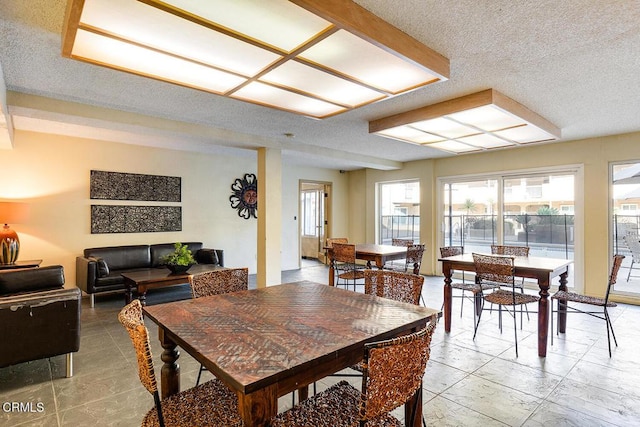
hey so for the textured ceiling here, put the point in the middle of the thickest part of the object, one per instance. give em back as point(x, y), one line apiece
point(574, 62)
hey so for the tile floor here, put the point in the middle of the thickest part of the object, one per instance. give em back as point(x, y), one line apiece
point(467, 383)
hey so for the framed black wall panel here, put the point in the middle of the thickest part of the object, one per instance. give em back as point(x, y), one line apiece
point(133, 186)
point(135, 219)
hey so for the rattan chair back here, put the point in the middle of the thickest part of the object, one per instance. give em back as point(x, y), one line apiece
point(394, 285)
point(131, 318)
point(393, 371)
point(447, 251)
point(510, 250)
point(414, 255)
point(615, 268)
point(219, 282)
point(343, 252)
point(332, 240)
point(401, 242)
point(494, 269)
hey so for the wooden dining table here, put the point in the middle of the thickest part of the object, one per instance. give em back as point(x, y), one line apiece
point(267, 342)
point(543, 270)
point(378, 254)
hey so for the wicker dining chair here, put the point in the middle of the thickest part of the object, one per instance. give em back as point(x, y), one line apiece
point(401, 242)
point(500, 270)
point(413, 259)
point(475, 289)
point(215, 283)
point(513, 251)
point(393, 285)
point(343, 256)
point(329, 244)
point(398, 286)
point(209, 404)
point(392, 374)
point(392, 265)
point(603, 304)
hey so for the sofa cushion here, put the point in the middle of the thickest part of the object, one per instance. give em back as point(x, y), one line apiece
point(207, 256)
point(161, 250)
point(115, 280)
point(122, 257)
point(31, 279)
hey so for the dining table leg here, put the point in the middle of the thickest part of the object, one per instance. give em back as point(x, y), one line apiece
point(257, 408)
point(543, 314)
point(562, 305)
point(170, 373)
point(446, 271)
point(331, 274)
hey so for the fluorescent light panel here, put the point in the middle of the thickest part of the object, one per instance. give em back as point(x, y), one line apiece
point(480, 121)
point(301, 55)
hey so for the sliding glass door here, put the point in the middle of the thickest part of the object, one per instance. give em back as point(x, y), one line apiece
point(525, 209)
point(625, 224)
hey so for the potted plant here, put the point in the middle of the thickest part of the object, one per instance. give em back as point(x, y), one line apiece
point(180, 260)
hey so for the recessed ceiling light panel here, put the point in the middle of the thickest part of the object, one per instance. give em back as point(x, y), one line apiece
point(480, 121)
point(335, 52)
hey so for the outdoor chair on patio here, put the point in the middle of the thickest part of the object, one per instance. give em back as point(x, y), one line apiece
point(209, 404)
point(499, 270)
point(392, 374)
point(215, 283)
point(632, 241)
point(602, 304)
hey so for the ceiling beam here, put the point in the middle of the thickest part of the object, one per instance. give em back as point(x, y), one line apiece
point(48, 115)
point(6, 124)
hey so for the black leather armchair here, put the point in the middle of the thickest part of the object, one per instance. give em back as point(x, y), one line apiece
point(38, 317)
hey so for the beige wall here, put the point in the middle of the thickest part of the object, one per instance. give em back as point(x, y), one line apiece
point(592, 156)
point(51, 173)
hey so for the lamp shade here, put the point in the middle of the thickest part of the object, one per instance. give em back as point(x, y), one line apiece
point(13, 212)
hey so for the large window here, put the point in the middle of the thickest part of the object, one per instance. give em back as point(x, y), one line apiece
point(399, 211)
point(625, 199)
point(535, 210)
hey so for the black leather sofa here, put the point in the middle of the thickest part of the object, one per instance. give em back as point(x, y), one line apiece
point(100, 269)
point(38, 317)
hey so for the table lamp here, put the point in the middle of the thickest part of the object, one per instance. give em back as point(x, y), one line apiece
point(10, 213)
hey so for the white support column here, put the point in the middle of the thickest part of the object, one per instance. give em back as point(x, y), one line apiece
point(269, 217)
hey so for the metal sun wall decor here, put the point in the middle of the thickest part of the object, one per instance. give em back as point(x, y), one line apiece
point(135, 219)
point(134, 186)
point(244, 196)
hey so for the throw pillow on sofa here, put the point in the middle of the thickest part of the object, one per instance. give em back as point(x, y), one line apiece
point(103, 268)
point(208, 256)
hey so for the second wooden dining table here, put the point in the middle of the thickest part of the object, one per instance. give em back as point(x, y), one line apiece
point(265, 343)
point(538, 268)
point(378, 254)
